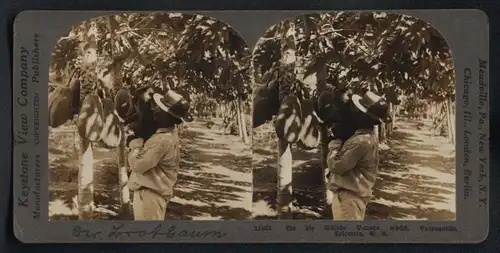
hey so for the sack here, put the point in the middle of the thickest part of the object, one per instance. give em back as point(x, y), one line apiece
point(60, 106)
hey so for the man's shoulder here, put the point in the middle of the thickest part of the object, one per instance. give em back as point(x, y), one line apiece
point(161, 139)
point(363, 138)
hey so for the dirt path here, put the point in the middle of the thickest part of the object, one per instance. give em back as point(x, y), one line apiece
point(416, 181)
point(214, 181)
point(417, 176)
point(216, 176)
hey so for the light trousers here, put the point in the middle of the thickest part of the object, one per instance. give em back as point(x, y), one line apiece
point(346, 205)
point(149, 205)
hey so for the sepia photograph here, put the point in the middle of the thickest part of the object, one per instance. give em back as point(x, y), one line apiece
point(150, 119)
point(353, 119)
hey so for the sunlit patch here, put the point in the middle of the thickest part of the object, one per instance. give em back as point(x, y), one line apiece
point(309, 133)
point(59, 207)
point(111, 134)
point(264, 209)
point(383, 146)
point(394, 203)
point(306, 211)
point(105, 211)
point(206, 217)
point(288, 121)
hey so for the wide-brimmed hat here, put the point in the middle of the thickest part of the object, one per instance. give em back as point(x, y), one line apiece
point(175, 104)
point(373, 105)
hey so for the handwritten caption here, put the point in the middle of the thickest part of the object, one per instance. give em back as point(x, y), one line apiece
point(29, 128)
point(475, 114)
point(119, 231)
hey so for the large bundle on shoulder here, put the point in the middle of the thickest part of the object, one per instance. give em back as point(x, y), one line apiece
point(64, 100)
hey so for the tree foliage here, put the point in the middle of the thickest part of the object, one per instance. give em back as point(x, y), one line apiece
point(191, 54)
point(377, 51)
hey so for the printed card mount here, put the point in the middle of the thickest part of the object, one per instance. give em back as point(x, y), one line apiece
point(251, 151)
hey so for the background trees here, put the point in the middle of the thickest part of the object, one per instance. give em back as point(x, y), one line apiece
point(398, 56)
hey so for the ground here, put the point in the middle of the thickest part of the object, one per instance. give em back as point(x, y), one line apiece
point(215, 181)
point(416, 178)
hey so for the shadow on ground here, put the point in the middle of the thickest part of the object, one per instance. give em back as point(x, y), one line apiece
point(214, 181)
point(308, 195)
point(416, 180)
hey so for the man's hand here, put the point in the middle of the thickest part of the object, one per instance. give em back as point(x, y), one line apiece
point(135, 143)
point(335, 145)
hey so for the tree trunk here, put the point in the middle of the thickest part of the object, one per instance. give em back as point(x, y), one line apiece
point(126, 208)
point(86, 181)
point(122, 161)
point(285, 153)
point(321, 77)
point(284, 180)
point(437, 109)
point(449, 115)
point(117, 64)
point(238, 119)
point(436, 112)
point(394, 115)
point(453, 119)
point(390, 126)
point(432, 111)
point(448, 122)
point(243, 126)
point(86, 168)
point(324, 156)
point(219, 111)
point(227, 110)
point(382, 133)
point(377, 134)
